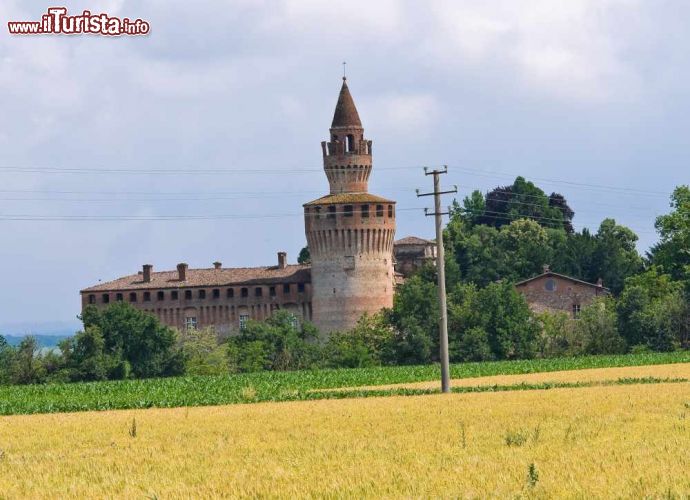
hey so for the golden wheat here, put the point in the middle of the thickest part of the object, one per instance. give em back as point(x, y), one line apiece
point(614, 441)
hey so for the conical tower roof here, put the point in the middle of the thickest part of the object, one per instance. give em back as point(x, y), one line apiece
point(345, 111)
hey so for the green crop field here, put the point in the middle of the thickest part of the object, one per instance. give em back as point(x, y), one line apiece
point(286, 386)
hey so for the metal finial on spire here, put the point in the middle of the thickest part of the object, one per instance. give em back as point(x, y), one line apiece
point(344, 75)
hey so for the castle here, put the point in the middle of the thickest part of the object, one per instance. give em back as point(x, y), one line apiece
point(350, 235)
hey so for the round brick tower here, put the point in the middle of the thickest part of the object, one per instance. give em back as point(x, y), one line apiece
point(350, 232)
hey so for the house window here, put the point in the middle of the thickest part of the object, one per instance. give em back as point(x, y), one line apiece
point(216, 293)
point(258, 291)
point(160, 296)
point(331, 212)
point(379, 210)
point(348, 210)
point(190, 323)
point(230, 293)
point(365, 211)
point(133, 297)
point(576, 311)
point(92, 299)
point(188, 295)
point(243, 321)
point(300, 287)
point(105, 298)
point(244, 292)
point(286, 288)
point(550, 285)
point(147, 296)
point(174, 295)
point(119, 297)
point(202, 294)
point(272, 291)
point(390, 211)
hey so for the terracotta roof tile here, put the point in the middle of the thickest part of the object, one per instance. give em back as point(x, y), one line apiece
point(348, 198)
point(295, 273)
point(413, 240)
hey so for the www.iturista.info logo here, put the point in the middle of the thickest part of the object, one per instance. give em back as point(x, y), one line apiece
point(56, 21)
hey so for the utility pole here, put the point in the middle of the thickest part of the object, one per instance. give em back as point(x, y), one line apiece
point(441, 270)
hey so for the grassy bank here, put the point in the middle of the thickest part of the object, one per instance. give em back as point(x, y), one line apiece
point(277, 386)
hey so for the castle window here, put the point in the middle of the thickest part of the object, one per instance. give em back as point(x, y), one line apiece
point(272, 291)
point(348, 210)
point(365, 211)
point(576, 311)
point(334, 138)
point(147, 296)
point(243, 321)
point(379, 210)
point(230, 293)
point(300, 287)
point(188, 295)
point(160, 296)
point(317, 211)
point(190, 323)
point(202, 294)
point(350, 142)
point(258, 291)
point(331, 212)
point(286, 288)
point(216, 293)
point(133, 297)
point(390, 211)
point(119, 297)
point(105, 298)
point(174, 295)
point(244, 292)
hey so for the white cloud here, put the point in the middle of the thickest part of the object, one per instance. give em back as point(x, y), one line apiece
point(408, 114)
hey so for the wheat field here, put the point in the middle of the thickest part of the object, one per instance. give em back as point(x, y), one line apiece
point(612, 441)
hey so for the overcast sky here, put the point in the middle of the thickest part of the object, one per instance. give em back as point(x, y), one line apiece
point(576, 95)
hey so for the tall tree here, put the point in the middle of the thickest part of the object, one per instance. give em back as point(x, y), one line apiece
point(672, 253)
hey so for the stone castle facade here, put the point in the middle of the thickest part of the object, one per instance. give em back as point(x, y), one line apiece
point(350, 234)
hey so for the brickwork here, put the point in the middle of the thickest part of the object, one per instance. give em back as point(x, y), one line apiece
point(350, 233)
point(557, 293)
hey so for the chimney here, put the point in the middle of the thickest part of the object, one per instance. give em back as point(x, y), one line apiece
point(547, 268)
point(182, 271)
point(147, 272)
point(282, 260)
point(217, 265)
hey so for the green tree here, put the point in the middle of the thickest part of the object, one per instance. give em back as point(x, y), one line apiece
point(203, 353)
point(304, 256)
point(615, 257)
point(28, 367)
point(84, 356)
point(7, 356)
point(144, 346)
point(672, 253)
point(597, 329)
point(279, 343)
point(372, 342)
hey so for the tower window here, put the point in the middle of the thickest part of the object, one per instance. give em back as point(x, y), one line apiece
point(216, 293)
point(365, 211)
point(379, 210)
point(390, 211)
point(350, 143)
point(348, 210)
point(317, 211)
point(161, 296)
point(105, 298)
point(331, 212)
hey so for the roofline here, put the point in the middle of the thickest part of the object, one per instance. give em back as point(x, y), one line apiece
point(570, 278)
